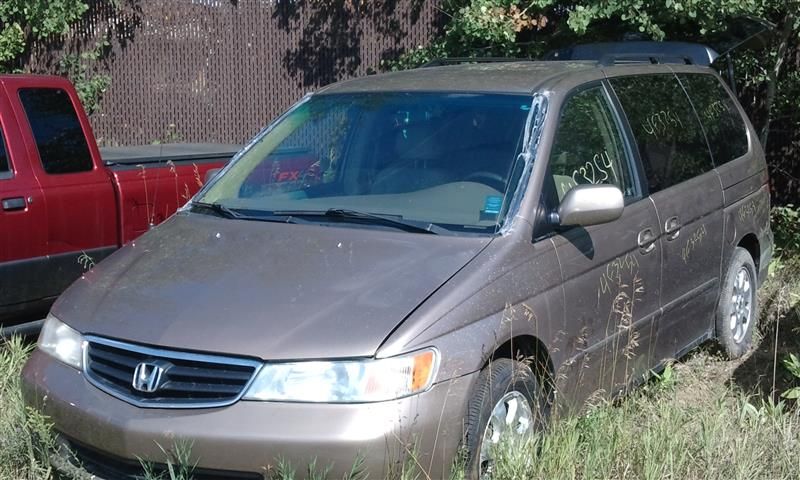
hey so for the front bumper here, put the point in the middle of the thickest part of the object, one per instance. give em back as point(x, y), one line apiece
point(253, 436)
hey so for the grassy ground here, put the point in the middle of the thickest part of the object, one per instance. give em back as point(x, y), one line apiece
point(24, 436)
point(703, 417)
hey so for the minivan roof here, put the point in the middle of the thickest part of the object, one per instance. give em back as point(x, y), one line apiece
point(521, 77)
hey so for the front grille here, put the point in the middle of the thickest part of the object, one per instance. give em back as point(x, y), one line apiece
point(188, 380)
point(105, 466)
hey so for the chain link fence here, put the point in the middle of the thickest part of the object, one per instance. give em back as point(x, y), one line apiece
point(220, 70)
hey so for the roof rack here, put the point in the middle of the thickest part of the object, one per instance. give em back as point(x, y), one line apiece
point(609, 53)
point(653, 58)
point(439, 62)
point(615, 53)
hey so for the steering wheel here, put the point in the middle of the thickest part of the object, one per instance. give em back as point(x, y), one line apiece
point(491, 179)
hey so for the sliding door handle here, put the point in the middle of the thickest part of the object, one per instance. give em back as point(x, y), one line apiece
point(647, 240)
point(672, 228)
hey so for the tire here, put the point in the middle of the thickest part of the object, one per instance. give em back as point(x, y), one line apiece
point(737, 310)
point(502, 380)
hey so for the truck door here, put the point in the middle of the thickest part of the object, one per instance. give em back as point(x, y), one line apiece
point(81, 204)
point(23, 231)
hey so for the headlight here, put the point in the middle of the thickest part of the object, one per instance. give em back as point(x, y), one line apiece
point(350, 381)
point(62, 342)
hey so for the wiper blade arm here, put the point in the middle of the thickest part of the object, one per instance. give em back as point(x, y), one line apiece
point(228, 212)
point(389, 220)
point(219, 209)
point(300, 216)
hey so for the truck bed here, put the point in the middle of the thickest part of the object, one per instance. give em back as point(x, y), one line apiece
point(152, 181)
point(126, 157)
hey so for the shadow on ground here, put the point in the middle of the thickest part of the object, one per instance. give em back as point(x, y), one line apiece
point(759, 374)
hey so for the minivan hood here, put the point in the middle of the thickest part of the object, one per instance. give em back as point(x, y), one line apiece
point(266, 290)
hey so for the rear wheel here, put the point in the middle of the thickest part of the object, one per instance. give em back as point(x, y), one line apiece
point(738, 305)
point(507, 405)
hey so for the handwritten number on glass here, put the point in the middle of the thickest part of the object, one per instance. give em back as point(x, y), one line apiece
point(596, 171)
point(659, 123)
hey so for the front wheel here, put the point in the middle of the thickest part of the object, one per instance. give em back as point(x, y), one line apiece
point(738, 305)
point(507, 405)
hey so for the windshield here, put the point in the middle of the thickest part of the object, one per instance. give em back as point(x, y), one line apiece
point(446, 159)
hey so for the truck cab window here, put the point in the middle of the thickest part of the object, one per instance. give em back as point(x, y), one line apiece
point(588, 147)
point(5, 168)
point(57, 131)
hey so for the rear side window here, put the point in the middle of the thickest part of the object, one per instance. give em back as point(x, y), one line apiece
point(669, 137)
point(588, 147)
point(59, 137)
point(724, 126)
point(5, 169)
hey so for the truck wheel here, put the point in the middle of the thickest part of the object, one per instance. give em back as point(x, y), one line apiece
point(507, 405)
point(738, 305)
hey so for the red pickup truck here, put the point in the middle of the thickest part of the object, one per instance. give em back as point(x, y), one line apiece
point(65, 204)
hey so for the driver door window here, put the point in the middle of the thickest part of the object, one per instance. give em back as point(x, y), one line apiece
point(588, 148)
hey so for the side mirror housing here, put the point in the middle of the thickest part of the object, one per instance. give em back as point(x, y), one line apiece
point(211, 173)
point(586, 205)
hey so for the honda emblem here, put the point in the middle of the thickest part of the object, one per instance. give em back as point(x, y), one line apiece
point(147, 376)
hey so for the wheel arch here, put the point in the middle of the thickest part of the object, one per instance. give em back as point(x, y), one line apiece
point(532, 351)
point(750, 243)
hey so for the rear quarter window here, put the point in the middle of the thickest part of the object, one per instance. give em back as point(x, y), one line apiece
point(668, 135)
point(721, 120)
point(56, 129)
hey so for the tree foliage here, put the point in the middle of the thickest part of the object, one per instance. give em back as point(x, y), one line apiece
point(23, 22)
point(658, 19)
point(529, 27)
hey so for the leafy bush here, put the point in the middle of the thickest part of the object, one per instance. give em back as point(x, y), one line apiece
point(23, 22)
point(792, 364)
point(786, 228)
point(89, 84)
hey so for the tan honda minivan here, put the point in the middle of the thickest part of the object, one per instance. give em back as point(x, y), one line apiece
point(429, 261)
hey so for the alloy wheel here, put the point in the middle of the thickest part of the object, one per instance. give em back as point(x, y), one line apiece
point(742, 304)
point(511, 418)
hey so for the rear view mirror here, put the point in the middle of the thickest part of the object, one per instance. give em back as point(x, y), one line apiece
point(586, 205)
point(211, 173)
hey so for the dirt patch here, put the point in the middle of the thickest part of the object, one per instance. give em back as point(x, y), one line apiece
point(762, 372)
point(705, 372)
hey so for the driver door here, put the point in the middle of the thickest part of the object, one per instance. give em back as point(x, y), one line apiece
point(611, 271)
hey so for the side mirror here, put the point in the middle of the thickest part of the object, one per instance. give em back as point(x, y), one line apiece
point(586, 205)
point(210, 173)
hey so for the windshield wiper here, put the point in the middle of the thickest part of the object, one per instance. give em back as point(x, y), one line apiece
point(219, 209)
point(227, 212)
point(394, 221)
point(292, 216)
